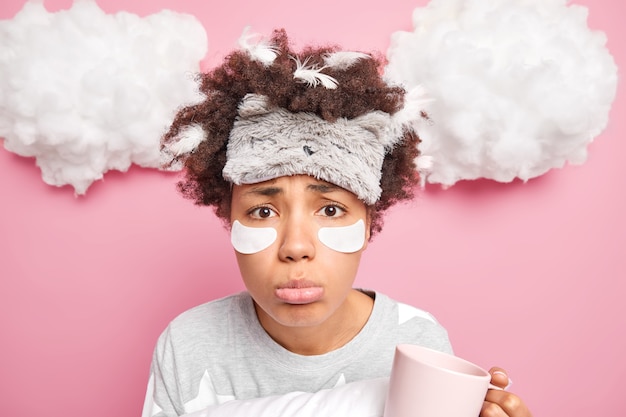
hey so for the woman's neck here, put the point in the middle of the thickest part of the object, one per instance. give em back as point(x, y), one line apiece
point(332, 334)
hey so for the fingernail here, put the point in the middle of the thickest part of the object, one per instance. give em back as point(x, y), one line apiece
point(507, 377)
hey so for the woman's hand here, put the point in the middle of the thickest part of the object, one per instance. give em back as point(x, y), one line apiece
point(502, 403)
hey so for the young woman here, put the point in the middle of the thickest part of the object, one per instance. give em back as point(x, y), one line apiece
point(300, 154)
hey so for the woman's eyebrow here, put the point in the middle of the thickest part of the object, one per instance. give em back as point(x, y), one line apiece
point(322, 188)
point(266, 191)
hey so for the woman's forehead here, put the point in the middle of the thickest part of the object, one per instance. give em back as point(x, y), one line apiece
point(277, 185)
point(304, 178)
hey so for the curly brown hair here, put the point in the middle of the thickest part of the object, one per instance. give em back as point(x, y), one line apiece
point(361, 89)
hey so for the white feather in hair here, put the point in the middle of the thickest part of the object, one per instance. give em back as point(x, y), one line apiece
point(415, 105)
point(259, 50)
point(188, 140)
point(312, 75)
point(411, 114)
point(343, 60)
point(173, 153)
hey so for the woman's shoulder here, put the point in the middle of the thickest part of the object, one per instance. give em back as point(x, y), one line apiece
point(411, 324)
point(400, 311)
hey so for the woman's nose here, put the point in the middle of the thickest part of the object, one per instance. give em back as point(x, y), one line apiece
point(297, 241)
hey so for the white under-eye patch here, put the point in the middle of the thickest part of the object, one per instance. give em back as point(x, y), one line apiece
point(346, 239)
point(248, 240)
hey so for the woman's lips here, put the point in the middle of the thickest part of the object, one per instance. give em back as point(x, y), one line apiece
point(299, 292)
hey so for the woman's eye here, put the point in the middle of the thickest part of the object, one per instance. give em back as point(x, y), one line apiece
point(262, 213)
point(331, 211)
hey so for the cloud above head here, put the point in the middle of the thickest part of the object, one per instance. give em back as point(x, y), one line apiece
point(85, 92)
point(519, 86)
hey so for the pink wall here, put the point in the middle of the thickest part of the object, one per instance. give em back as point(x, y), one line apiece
point(527, 276)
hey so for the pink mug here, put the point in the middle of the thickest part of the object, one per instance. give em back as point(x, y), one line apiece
point(429, 383)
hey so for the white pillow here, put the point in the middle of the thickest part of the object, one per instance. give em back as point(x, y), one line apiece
point(364, 398)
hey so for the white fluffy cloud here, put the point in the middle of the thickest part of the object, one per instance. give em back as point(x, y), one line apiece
point(519, 86)
point(85, 92)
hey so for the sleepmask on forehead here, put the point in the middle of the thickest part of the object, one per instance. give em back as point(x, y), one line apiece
point(267, 142)
point(345, 239)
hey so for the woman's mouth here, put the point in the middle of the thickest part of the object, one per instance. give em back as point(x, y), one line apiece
point(299, 292)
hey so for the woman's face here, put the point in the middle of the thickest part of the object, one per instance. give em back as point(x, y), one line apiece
point(297, 275)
